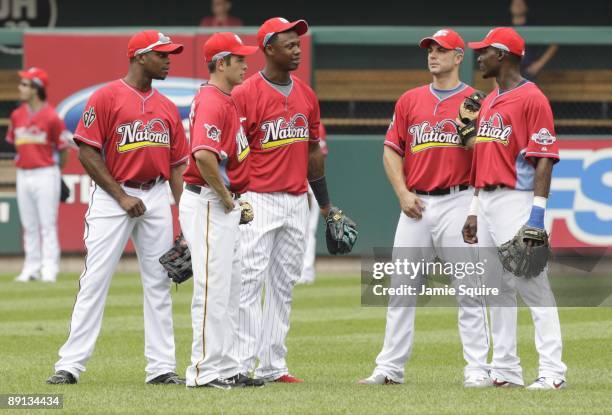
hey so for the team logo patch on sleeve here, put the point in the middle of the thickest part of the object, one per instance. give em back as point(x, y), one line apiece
point(213, 132)
point(543, 137)
point(89, 117)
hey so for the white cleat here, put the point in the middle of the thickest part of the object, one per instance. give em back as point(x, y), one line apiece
point(477, 381)
point(547, 384)
point(378, 379)
point(26, 278)
point(505, 384)
point(49, 279)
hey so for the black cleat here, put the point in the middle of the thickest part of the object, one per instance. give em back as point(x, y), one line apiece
point(169, 378)
point(246, 381)
point(62, 377)
point(221, 383)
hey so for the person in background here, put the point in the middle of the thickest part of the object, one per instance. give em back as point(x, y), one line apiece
point(220, 15)
point(41, 142)
point(536, 57)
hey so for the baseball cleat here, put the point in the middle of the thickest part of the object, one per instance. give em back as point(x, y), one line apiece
point(246, 381)
point(543, 383)
point(505, 384)
point(169, 378)
point(26, 278)
point(224, 384)
point(62, 377)
point(288, 379)
point(378, 379)
point(477, 381)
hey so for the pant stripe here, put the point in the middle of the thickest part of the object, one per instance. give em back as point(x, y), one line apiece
point(76, 296)
point(205, 297)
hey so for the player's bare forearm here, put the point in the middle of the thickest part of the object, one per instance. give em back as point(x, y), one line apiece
point(209, 170)
point(316, 162)
point(543, 175)
point(316, 177)
point(94, 165)
point(176, 182)
point(394, 168)
point(63, 158)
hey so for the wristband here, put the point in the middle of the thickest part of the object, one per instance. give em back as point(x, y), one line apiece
point(536, 218)
point(319, 188)
point(473, 207)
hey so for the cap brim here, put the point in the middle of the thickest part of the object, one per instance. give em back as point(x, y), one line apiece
point(169, 48)
point(478, 45)
point(300, 26)
point(24, 74)
point(245, 50)
point(427, 41)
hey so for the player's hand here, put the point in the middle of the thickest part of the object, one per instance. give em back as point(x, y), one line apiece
point(134, 206)
point(228, 202)
point(470, 229)
point(412, 206)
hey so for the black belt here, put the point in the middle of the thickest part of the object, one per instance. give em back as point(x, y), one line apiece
point(443, 191)
point(142, 186)
point(198, 189)
point(492, 187)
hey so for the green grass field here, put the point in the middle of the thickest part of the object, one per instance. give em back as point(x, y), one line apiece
point(332, 343)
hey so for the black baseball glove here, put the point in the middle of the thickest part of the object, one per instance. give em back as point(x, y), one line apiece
point(523, 260)
point(64, 192)
point(340, 233)
point(177, 261)
point(468, 114)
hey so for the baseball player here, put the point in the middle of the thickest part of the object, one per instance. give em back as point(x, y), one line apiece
point(429, 169)
point(514, 153)
point(131, 142)
point(39, 136)
point(210, 212)
point(281, 118)
point(308, 270)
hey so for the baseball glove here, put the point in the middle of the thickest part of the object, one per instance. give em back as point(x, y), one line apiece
point(64, 192)
point(246, 212)
point(468, 114)
point(523, 260)
point(340, 233)
point(177, 261)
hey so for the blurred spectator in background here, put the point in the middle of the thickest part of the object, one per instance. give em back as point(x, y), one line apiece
point(220, 15)
point(536, 57)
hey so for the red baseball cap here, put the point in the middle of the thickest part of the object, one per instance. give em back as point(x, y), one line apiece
point(149, 40)
point(225, 43)
point(36, 75)
point(504, 38)
point(447, 38)
point(278, 25)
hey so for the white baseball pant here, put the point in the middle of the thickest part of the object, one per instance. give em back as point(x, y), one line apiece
point(310, 255)
point(272, 259)
point(501, 214)
point(213, 239)
point(38, 198)
point(439, 231)
point(107, 230)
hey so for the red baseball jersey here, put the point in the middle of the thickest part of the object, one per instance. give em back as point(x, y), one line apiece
point(279, 130)
point(214, 125)
point(37, 136)
point(423, 131)
point(514, 129)
point(140, 134)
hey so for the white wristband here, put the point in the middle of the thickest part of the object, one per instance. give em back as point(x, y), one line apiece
point(540, 201)
point(473, 207)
